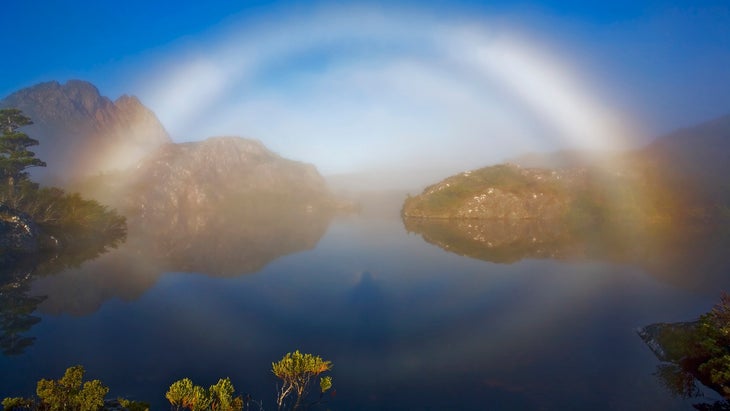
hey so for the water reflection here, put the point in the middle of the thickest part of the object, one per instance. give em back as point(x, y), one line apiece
point(16, 313)
point(406, 325)
point(692, 256)
point(677, 381)
point(18, 302)
point(213, 243)
point(369, 307)
point(680, 370)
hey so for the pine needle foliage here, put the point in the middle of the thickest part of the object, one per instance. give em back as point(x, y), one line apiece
point(15, 156)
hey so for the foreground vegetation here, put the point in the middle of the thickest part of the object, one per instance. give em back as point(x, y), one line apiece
point(697, 351)
point(64, 220)
point(69, 392)
point(43, 230)
point(69, 218)
point(296, 371)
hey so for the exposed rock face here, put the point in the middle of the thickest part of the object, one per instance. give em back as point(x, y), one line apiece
point(83, 133)
point(18, 233)
point(499, 192)
point(226, 205)
point(219, 174)
point(496, 203)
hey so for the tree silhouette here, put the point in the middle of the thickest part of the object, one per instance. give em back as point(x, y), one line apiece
point(15, 157)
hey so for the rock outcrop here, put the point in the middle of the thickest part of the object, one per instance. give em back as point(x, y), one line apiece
point(680, 176)
point(18, 233)
point(222, 206)
point(500, 192)
point(83, 133)
point(219, 175)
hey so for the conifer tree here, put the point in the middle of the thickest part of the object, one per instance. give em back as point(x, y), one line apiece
point(15, 157)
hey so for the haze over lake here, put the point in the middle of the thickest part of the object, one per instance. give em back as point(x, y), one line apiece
point(407, 324)
point(462, 205)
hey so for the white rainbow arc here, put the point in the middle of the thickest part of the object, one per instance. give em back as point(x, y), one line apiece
point(195, 93)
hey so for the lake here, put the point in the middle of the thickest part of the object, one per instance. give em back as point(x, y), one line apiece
point(407, 323)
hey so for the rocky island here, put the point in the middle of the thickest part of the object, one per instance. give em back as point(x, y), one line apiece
point(578, 195)
point(679, 176)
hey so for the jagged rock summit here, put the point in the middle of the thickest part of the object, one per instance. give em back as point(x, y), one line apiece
point(83, 133)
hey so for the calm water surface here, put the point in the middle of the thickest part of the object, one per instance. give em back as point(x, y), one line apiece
point(407, 325)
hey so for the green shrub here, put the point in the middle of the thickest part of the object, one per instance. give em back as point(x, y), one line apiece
point(296, 371)
point(183, 394)
point(69, 393)
point(67, 217)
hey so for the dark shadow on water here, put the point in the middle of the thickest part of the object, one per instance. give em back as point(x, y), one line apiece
point(370, 325)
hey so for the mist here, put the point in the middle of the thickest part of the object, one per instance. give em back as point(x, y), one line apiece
point(357, 91)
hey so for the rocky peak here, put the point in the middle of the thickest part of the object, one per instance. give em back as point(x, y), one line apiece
point(126, 102)
point(136, 122)
point(82, 132)
point(49, 101)
point(85, 96)
point(216, 154)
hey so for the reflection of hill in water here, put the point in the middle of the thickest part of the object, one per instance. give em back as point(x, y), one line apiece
point(17, 301)
point(218, 244)
point(223, 206)
point(499, 241)
point(230, 243)
point(690, 256)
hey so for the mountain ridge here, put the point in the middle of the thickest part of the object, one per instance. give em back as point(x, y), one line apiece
point(83, 133)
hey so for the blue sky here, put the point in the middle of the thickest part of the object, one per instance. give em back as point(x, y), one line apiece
point(348, 86)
